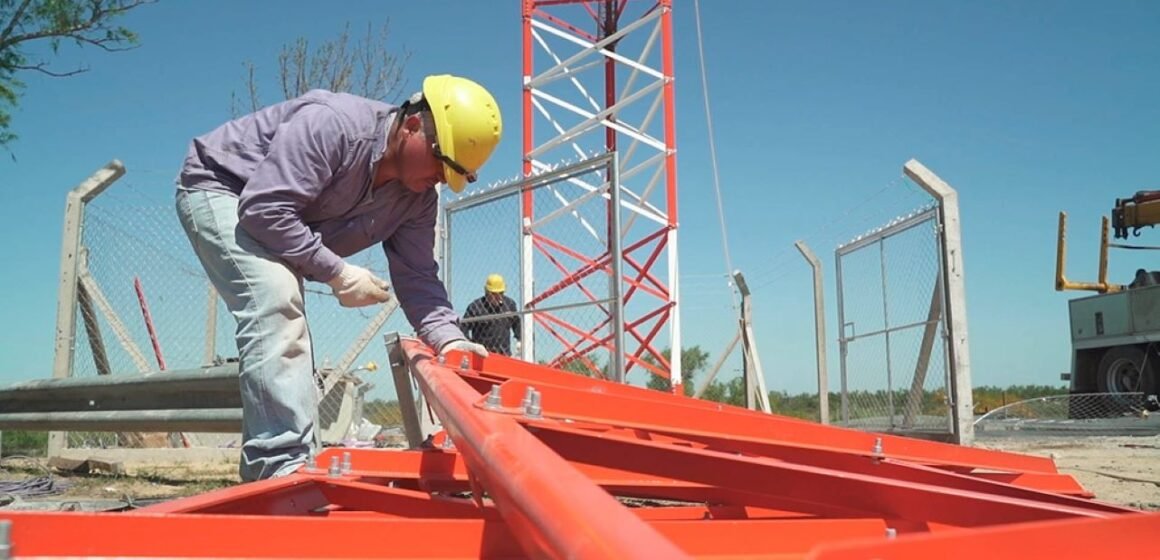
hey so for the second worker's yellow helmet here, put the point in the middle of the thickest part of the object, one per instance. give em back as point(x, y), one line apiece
point(495, 284)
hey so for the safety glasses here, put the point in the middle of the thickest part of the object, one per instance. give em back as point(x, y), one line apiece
point(429, 131)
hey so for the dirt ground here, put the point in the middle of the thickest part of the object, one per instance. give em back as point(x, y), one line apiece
point(135, 486)
point(1121, 470)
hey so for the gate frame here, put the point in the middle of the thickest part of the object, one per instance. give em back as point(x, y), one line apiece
point(948, 303)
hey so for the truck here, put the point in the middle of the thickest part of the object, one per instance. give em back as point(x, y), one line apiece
point(1115, 333)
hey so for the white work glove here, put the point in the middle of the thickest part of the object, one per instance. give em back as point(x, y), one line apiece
point(519, 349)
point(356, 286)
point(465, 346)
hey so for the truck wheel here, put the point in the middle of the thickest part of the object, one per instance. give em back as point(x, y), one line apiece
point(1126, 369)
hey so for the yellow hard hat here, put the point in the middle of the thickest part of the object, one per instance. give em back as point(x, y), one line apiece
point(495, 284)
point(467, 126)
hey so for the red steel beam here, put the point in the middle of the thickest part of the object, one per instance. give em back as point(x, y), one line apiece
point(223, 536)
point(1125, 536)
point(890, 498)
point(556, 512)
point(442, 471)
point(888, 468)
point(608, 402)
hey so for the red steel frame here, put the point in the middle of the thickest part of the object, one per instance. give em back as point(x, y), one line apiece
point(600, 27)
point(597, 469)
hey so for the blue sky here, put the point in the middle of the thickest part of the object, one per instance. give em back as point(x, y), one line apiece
point(1026, 108)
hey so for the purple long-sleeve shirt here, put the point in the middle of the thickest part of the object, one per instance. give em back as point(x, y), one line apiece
point(303, 171)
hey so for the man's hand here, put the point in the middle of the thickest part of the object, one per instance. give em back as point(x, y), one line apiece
point(356, 286)
point(465, 346)
point(519, 349)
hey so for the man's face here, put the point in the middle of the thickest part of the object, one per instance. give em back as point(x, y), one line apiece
point(495, 298)
point(419, 169)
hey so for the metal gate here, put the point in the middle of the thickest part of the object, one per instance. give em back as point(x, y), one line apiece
point(892, 339)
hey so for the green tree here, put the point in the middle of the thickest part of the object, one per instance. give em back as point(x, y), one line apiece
point(583, 367)
point(726, 392)
point(26, 22)
point(693, 361)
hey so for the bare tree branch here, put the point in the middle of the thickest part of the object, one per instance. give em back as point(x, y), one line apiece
point(255, 101)
point(365, 66)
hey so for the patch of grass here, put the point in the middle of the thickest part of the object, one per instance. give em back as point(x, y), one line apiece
point(20, 442)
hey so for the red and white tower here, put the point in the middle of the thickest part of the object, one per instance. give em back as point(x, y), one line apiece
point(597, 77)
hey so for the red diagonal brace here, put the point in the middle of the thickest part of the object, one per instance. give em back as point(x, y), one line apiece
point(556, 511)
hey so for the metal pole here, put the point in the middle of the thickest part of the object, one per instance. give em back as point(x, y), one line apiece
point(149, 323)
point(886, 326)
point(717, 366)
point(93, 330)
point(211, 309)
point(527, 292)
point(221, 420)
point(756, 396)
point(913, 406)
point(215, 387)
point(72, 237)
point(954, 287)
point(615, 251)
point(842, 340)
point(402, 374)
point(819, 332)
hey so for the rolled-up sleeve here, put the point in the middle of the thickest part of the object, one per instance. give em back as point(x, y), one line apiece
point(303, 156)
point(415, 277)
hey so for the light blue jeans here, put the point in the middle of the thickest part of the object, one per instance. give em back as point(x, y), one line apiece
point(279, 395)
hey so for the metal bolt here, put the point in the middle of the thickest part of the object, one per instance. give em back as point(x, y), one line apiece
point(493, 398)
point(533, 409)
point(441, 359)
point(877, 446)
point(464, 363)
point(527, 397)
point(311, 461)
point(335, 471)
point(345, 462)
point(447, 442)
point(891, 532)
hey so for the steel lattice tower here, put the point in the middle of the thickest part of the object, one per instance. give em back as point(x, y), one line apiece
point(598, 76)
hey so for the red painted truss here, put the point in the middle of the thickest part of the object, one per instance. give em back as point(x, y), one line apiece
point(540, 463)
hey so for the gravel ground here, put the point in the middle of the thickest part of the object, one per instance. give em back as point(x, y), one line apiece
point(1118, 469)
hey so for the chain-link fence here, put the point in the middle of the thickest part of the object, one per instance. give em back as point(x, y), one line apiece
point(144, 304)
point(894, 371)
point(1072, 415)
point(555, 265)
